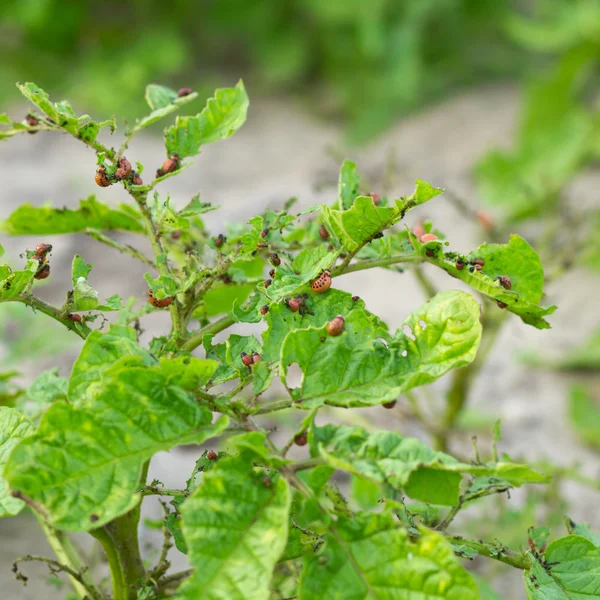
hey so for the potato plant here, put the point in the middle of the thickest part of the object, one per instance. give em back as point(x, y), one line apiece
point(254, 523)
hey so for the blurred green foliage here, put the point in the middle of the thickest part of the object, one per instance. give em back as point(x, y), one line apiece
point(365, 60)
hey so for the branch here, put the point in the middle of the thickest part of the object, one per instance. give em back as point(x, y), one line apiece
point(212, 328)
point(500, 553)
point(273, 407)
point(37, 304)
point(124, 248)
point(177, 578)
point(345, 268)
point(56, 567)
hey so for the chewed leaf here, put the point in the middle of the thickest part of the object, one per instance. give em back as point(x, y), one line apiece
point(145, 414)
point(14, 427)
point(308, 265)
point(365, 365)
point(347, 185)
point(570, 570)
point(159, 96)
point(363, 220)
point(12, 283)
point(516, 260)
point(235, 526)
point(29, 219)
point(407, 464)
point(223, 115)
point(373, 556)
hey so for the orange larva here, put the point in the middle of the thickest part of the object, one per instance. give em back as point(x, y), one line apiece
point(428, 237)
point(101, 177)
point(246, 359)
point(136, 179)
point(256, 357)
point(43, 272)
point(376, 198)
point(501, 304)
point(162, 303)
point(323, 233)
point(389, 404)
point(322, 283)
point(264, 309)
point(181, 92)
point(336, 326)
point(42, 249)
point(504, 281)
point(75, 317)
point(212, 455)
point(169, 165)
point(301, 439)
point(123, 169)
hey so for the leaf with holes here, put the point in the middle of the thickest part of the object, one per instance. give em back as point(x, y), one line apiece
point(83, 465)
point(235, 526)
point(516, 260)
point(14, 427)
point(386, 457)
point(371, 556)
point(365, 365)
point(12, 283)
point(571, 569)
point(358, 224)
point(223, 115)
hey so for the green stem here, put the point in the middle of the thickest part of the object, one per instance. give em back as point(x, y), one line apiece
point(426, 284)
point(273, 406)
point(519, 561)
point(123, 248)
point(344, 268)
point(212, 328)
point(66, 555)
point(119, 583)
point(36, 303)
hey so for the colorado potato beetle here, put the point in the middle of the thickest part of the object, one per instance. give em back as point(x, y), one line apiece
point(32, 121)
point(256, 357)
point(211, 455)
point(264, 233)
point(246, 359)
point(268, 282)
point(376, 198)
point(460, 265)
point(169, 165)
point(159, 303)
point(136, 179)
point(220, 240)
point(504, 281)
point(294, 304)
point(264, 309)
point(389, 404)
point(42, 249)
point(501, 304)
point(428, 237)
point(75, 317)
point(181, 92)
point(322, 283)
point(323, 233)
point(355, 298)
point(336, 325)
point(478, 261)
point(272, 273)
point(274, 258)
point(101, 177)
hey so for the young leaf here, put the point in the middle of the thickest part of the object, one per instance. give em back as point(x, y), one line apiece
point(159, 96)
point(347, 185)
point(188, 372)
point(85, 297)
point(371, 556)
point(223, 115)
point(102, 446)
point(570, 570)
point(12, 283)
point(365, 365)
point(32, 220)
point(14, 427)
point(79, 268)
point(235, 526)
point(363, 220)
point(47, 388)
point(308, 265)
point(101, 352)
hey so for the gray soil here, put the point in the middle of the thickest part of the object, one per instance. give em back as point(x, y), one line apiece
point(280, 153)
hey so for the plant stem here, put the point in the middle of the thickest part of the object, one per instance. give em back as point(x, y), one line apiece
point(212, 328)
point(36, 303)
point(519, 561)
point(56, 566)
point(119, 584)
point(343, 269)
point(67, 556)
point(273, 407)
point(123, 248)
point(426, 284)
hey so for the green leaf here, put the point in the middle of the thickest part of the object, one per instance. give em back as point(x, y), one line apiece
point(583, 530)
point(47, 388)
point(222, 298)
point(347, 185)
point(584, 413)
point(85, 297)
point(386, 457)
point(14, 427)
point(308, 265)
point(371, 556)
point(229, 356)
point(31, 220)
point(262, 377)
point(363, 220)
point(365, 365)
point(100, 353)
point(571, 570)
point(322, 308)
point(517, 260)
point(12, 283)
point(223, 115)
point(79, 269)
point(235, 526)
point(163, 286)
point(195, 207)
point(188, 372)
point(63, 115)
point(159, 96)
point(102, 446)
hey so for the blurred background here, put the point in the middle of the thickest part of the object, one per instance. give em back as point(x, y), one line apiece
point(494, 100)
